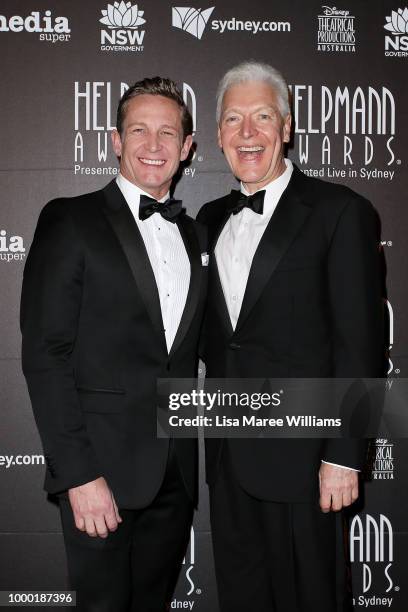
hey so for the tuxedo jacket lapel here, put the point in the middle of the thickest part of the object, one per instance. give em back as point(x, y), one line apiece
point(124, 225)
point(215, 280)
point(192, 247)
point(285, 223)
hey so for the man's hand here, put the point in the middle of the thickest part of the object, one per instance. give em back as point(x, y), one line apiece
point(338, 487)
point(95, 510)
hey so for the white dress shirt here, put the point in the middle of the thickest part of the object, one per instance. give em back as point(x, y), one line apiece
point(168, 258)
point(238, 243)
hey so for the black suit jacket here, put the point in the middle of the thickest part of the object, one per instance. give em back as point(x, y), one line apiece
point(94, 345)
point(312, 308)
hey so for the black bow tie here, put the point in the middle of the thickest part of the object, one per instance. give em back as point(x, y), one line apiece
point(169, 210)
point(255, 202)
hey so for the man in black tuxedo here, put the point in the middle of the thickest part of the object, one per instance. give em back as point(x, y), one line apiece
point(294, 291)
point(112, 299)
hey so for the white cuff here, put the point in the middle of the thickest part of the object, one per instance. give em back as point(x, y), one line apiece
point(345, 467)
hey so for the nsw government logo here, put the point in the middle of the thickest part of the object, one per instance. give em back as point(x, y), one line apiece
point(397, 25)
point(191, 20)
point(336, 30)
point(123, 34)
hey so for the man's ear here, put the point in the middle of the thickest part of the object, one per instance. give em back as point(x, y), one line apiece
point(116, 143)
point(287, 126)
point(185, 149)
point(219, 137)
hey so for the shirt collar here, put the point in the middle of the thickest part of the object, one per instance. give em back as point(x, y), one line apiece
point(274, 189)
point(132, 192)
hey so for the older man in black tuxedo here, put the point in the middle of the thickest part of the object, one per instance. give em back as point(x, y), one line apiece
point(294, 291)
point(112, 300)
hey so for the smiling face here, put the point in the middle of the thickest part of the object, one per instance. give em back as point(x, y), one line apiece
point(252, 133)
point(151, 144)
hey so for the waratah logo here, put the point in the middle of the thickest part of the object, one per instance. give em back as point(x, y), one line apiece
point(397, 22)
point(122, 15)
point(191, 20)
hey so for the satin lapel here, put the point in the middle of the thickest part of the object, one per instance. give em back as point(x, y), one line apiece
point(124, 225)
point(215, 280)
point(285, 223)
point(192, 246)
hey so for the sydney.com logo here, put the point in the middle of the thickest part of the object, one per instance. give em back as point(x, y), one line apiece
point(194, 21)
point(191, 20)
point(123, 20)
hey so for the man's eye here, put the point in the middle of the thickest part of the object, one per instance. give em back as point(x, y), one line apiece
point(168, 133)
point(137, 130)
point(265, 116)
point(231, 119)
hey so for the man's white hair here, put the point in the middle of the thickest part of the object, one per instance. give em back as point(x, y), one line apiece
point(255, 71)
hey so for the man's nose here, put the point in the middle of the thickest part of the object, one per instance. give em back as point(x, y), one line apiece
point(153, 142)
point(248, 128)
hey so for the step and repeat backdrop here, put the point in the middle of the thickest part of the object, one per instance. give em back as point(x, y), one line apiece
point(65, 64)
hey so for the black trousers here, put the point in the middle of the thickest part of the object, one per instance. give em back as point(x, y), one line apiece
point(275, 557)
point(135, 568)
